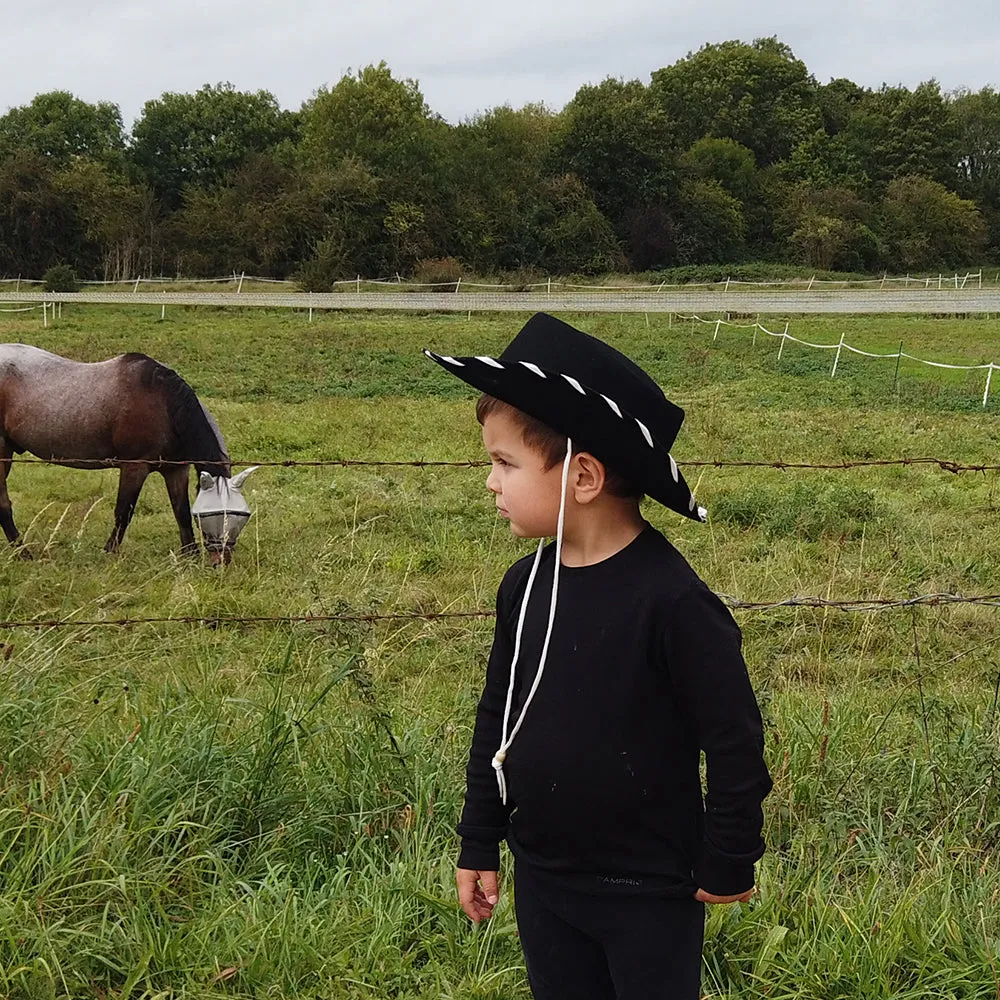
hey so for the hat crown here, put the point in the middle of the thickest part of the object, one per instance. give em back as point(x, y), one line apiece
point(557, 347)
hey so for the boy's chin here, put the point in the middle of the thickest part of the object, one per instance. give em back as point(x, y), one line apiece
point(520, 531)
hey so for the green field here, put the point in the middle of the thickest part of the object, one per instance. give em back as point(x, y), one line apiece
point(267, 810)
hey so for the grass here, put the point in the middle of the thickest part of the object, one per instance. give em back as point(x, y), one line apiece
point(244, 811)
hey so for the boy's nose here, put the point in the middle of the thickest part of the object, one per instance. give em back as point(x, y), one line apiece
point(491, 483)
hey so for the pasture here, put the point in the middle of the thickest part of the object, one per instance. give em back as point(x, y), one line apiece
point(266, 809)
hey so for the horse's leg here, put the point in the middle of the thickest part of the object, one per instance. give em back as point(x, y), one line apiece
point(176, 477)
point(130, 479)
point(6, 509)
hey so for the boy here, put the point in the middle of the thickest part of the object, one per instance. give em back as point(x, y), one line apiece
point(601, 694)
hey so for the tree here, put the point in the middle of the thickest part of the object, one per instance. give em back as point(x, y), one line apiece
point(725, 161)
point(59, 127)
point(574, 236)
point(837, 101)
point(760, 95)
point(977, 124)
point(496, 168)
point(823, 160)
point(895, 132)
point(618, 140)
point(119, 220)
point(267, 216)
point(829, 228)
point(925, 225)
point(711, 227)
point(38, 227)
point(382, 122)
point(198, 138)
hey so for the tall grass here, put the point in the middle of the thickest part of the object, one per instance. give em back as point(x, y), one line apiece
point(188, 811)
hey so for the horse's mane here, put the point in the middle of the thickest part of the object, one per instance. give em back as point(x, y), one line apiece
point(192, 428)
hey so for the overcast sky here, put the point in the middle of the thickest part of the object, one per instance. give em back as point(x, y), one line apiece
point(468, 57)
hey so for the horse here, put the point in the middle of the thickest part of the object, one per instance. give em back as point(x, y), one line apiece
point(131, 413)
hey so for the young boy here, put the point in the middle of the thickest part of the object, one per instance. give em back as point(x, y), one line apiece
point(613, 666)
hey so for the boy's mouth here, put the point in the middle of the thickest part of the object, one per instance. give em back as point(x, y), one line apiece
point(503, 513)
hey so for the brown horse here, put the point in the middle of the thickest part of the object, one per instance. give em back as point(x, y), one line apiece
point(129, 412)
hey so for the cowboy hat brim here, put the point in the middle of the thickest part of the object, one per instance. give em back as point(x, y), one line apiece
point(594, 421)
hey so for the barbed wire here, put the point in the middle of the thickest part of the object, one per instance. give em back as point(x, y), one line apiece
point(861, 604)
point(948, 465)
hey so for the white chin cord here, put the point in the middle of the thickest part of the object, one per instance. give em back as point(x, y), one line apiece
point(506, 740)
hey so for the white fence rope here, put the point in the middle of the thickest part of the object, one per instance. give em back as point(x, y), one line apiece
point(941, 282)
point(989, 367)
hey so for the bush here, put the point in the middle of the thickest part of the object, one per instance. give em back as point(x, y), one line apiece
point(322, 269)
point(61, 278)
point(523, 278)
point(762, 271)
point(438, 271)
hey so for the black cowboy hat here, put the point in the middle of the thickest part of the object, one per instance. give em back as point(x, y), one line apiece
point(585, 389)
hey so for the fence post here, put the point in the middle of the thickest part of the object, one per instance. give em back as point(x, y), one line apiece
point(782, 345)
point(549, 290)
point(939, 282)
point(989, 376)
point(809, 286)
point(239, 287)
point(715, 336)
point(727, 283)
point(836, 359)
point(895, 377)
point(884, 276)
point(359, 284)
point(457, 283)
point(45, 314)
point(907, 285)
point(136, 288)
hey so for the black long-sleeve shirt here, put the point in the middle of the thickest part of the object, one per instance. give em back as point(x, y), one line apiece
point(644, 671)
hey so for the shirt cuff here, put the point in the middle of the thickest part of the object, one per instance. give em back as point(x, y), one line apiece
point(479, 857)
point(722, 876)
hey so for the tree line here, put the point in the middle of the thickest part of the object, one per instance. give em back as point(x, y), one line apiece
point(734, 153)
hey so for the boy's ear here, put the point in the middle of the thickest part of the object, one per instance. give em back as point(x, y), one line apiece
point(591, 477)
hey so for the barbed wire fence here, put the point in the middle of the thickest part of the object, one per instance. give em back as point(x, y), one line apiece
point(860, 604)
point(854, 604)
point(947, 465)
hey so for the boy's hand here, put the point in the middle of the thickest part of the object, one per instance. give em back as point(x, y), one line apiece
point(478, 893)
point(707, 897)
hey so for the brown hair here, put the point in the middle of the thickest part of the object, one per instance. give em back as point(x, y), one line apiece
point(548, 443)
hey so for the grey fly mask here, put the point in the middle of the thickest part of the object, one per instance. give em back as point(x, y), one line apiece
point(221, 511)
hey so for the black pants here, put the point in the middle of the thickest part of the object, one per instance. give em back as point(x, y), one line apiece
point(597, 947)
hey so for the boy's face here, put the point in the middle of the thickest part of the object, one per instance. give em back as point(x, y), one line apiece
point(527, 494)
